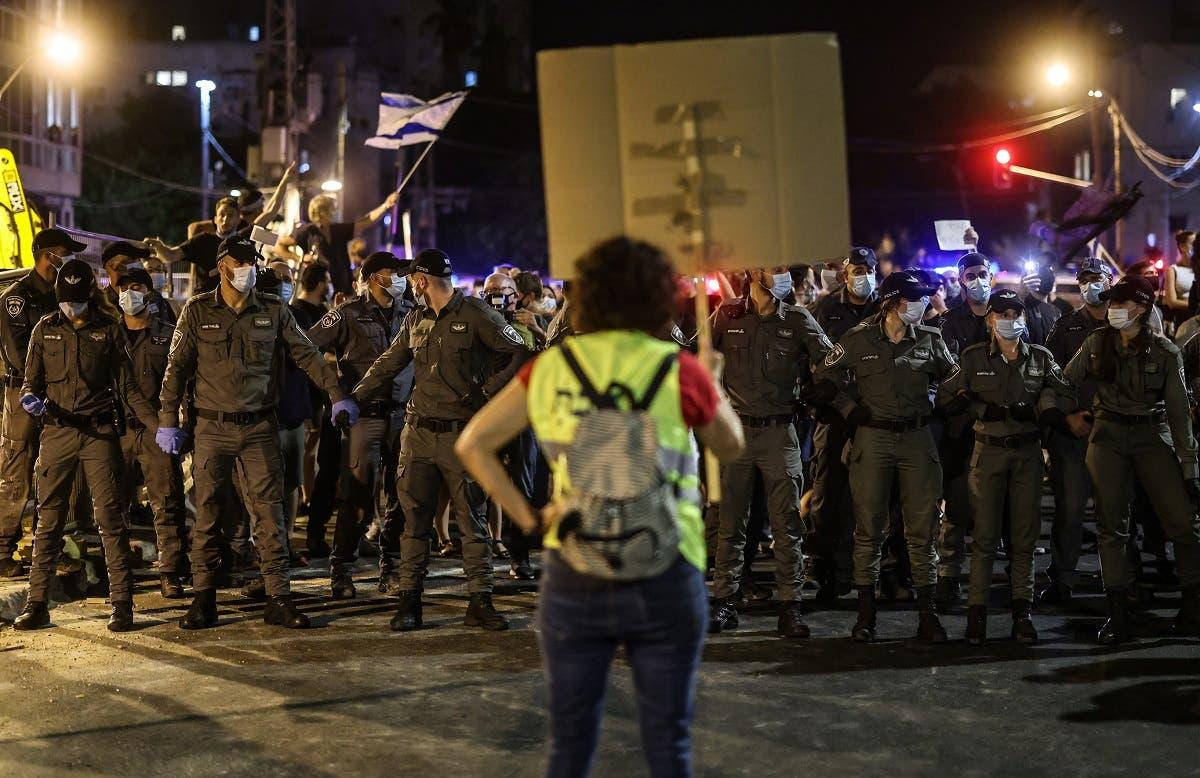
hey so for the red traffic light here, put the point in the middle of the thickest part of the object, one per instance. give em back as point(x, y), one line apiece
point(1003, 157)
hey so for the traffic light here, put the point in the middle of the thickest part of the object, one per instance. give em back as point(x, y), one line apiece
point(1002, 177)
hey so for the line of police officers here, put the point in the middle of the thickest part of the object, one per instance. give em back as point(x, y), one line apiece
point(403, 382)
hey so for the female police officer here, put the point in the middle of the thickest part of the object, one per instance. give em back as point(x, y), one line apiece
point(1141, 411)
point(892, 361)
point(1002, 384)
point(74, 373)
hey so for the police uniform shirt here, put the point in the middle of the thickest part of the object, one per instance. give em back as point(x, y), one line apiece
point(357, 332)
point(1064, 341)
point(985, 376)
point(1039, 319)
point(961, 328)
point(452, 355)
point(232, 356)
point(836, 314)
point(148, 350)
point(766, 357)
point(26, 301)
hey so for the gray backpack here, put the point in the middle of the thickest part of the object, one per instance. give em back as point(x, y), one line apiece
point(619, 522)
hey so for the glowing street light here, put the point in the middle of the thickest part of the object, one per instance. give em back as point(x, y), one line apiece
point(331, 186)
point(1057, 74)
point(60, 48)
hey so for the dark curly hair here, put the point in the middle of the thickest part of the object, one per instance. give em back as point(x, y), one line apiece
point(623, 284)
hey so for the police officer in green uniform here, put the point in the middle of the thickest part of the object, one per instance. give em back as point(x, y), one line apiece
point(1003, 384)
point(892, 361)
point(1141, 414)
point(452, 341)
point(357, 332)
point(1067, 447)
point(76, 374)
point(118, 258)
point(768, 346)
point(25, 302)
point(830, 506)
point(229, 343)
point(147, 343)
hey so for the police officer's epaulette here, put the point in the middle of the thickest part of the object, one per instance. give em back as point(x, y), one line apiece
point(269, 297)
point(345, 303)
point(789, 308)
point(1045, 351)
point(1164, 343)
point(927, 329)
point(973, 347)
point(734, 309)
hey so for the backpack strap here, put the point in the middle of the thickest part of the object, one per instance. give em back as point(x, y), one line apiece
point(656, 383)
point(589, 389)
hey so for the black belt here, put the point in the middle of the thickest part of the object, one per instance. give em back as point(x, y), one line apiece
point(766, 421)
point(900, 425)
point(61, 418)
point(1158, 417)
point(1010, 441)
point(435, 425)
point(240, 418)
point(377, 409)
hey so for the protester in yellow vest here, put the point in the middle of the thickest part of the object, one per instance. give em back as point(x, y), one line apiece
point(618, 371)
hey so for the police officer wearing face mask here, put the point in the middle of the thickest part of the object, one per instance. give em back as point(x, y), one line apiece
point(357, 332)
point(1003, 384)
point(75, 372)
point(228, 342)
point(962, 326)
point(26, 301)
point(1067, 446)
point(890, 362)
point(1142, 431)
point(768, 346)
point(119, 257)
point(832, 511)
point(147, 342)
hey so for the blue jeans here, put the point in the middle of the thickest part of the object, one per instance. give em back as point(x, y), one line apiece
point(661, 623)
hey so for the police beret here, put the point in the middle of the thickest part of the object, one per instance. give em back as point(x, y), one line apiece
point(974, 259)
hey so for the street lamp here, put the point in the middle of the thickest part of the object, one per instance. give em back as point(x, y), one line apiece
point(1057, 74)
point(331, 186)
point(60, 48)
point(206, 87)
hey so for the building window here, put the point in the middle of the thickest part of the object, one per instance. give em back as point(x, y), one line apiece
point(150, 77)
point(254, 32)
point(1177, 96)
point(179, 33)
point(162, 77)
point(178, 78)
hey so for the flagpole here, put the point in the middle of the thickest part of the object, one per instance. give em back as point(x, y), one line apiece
point(416, 165)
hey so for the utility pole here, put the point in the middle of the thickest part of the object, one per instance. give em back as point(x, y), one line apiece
point(1114, 114)
point(206, 88)
point(343, 126)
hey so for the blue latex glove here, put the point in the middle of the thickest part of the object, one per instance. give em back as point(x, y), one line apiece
point(33, 405)
point(170, 439)
point(348, 407)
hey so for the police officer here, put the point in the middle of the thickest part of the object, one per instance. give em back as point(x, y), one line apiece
point(1141, 414)
point(452, 341)
point(892, 361)
point(228, 341)
point(147, 343)
point(1040, 315)
point(117, 258)
point(1004, 383)
point(1067, 446)
point(74, 373)
point(830, 505)
point(768, 346)
point(963, 325)
point(357, 332)
point(26, 301)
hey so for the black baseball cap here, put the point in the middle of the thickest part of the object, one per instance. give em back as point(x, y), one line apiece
point(119, 248)
point(380, 260)
point(74, 282)
point(1005, 300)
point(862, 256)
point(974, 259)
point(1130, 287)
point(1093, 265)
point(135, 275)
point(54, 238)
point(432, 262)
point(240, 248)
point(904, 284)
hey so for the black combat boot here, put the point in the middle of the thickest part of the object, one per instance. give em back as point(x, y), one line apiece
point(282, 612)
point(1055, 593)
point(1187, 621)
point(722, 615)
point(791, 621)
point(389, 583)
point(255, 589)
point(11, 568)
point(408, 611)
point(203, 612)
point(1023, 630)
point(976, 633)
point(35, 615)
point(949, 592)
point(1116, 629)
point(929, 628)
point(171, 587)
point(521, 569)
point(121, 619)
point(341, 584)
point(864, 627)
point(482, 613)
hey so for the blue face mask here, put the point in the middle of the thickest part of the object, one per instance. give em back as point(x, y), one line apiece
point(285, 291)
point(1091, 292)
point(781, 285)
point(979, 290)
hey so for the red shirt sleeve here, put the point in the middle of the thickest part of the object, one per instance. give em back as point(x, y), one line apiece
point(526, 371)
point(697, 394)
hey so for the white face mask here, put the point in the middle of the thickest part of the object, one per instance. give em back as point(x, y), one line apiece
point(781, 285)
point(979, 290)
point(1010, 329)
point(914, 311)
point(829, 279)
point(132, 301)
point(1091, 292)
point(863, 286)
point(399, 285)
point(243, 278)
point(1119, 318)
point(73, 310)
point(550, 304)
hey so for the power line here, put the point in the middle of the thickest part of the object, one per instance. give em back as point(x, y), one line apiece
point(902, 147)
point(152, 179)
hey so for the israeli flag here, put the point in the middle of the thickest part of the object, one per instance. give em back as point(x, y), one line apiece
point(405, 120)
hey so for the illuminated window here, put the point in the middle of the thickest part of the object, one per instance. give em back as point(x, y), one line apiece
point(1177, 96)
point(179, 33)
point(178, 78)
point(163, 78)
point(254, 34)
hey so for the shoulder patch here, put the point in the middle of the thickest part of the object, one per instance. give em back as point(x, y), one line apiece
point(330, 319)
point(833, 356)
point(14, 305)
point(513, 335)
